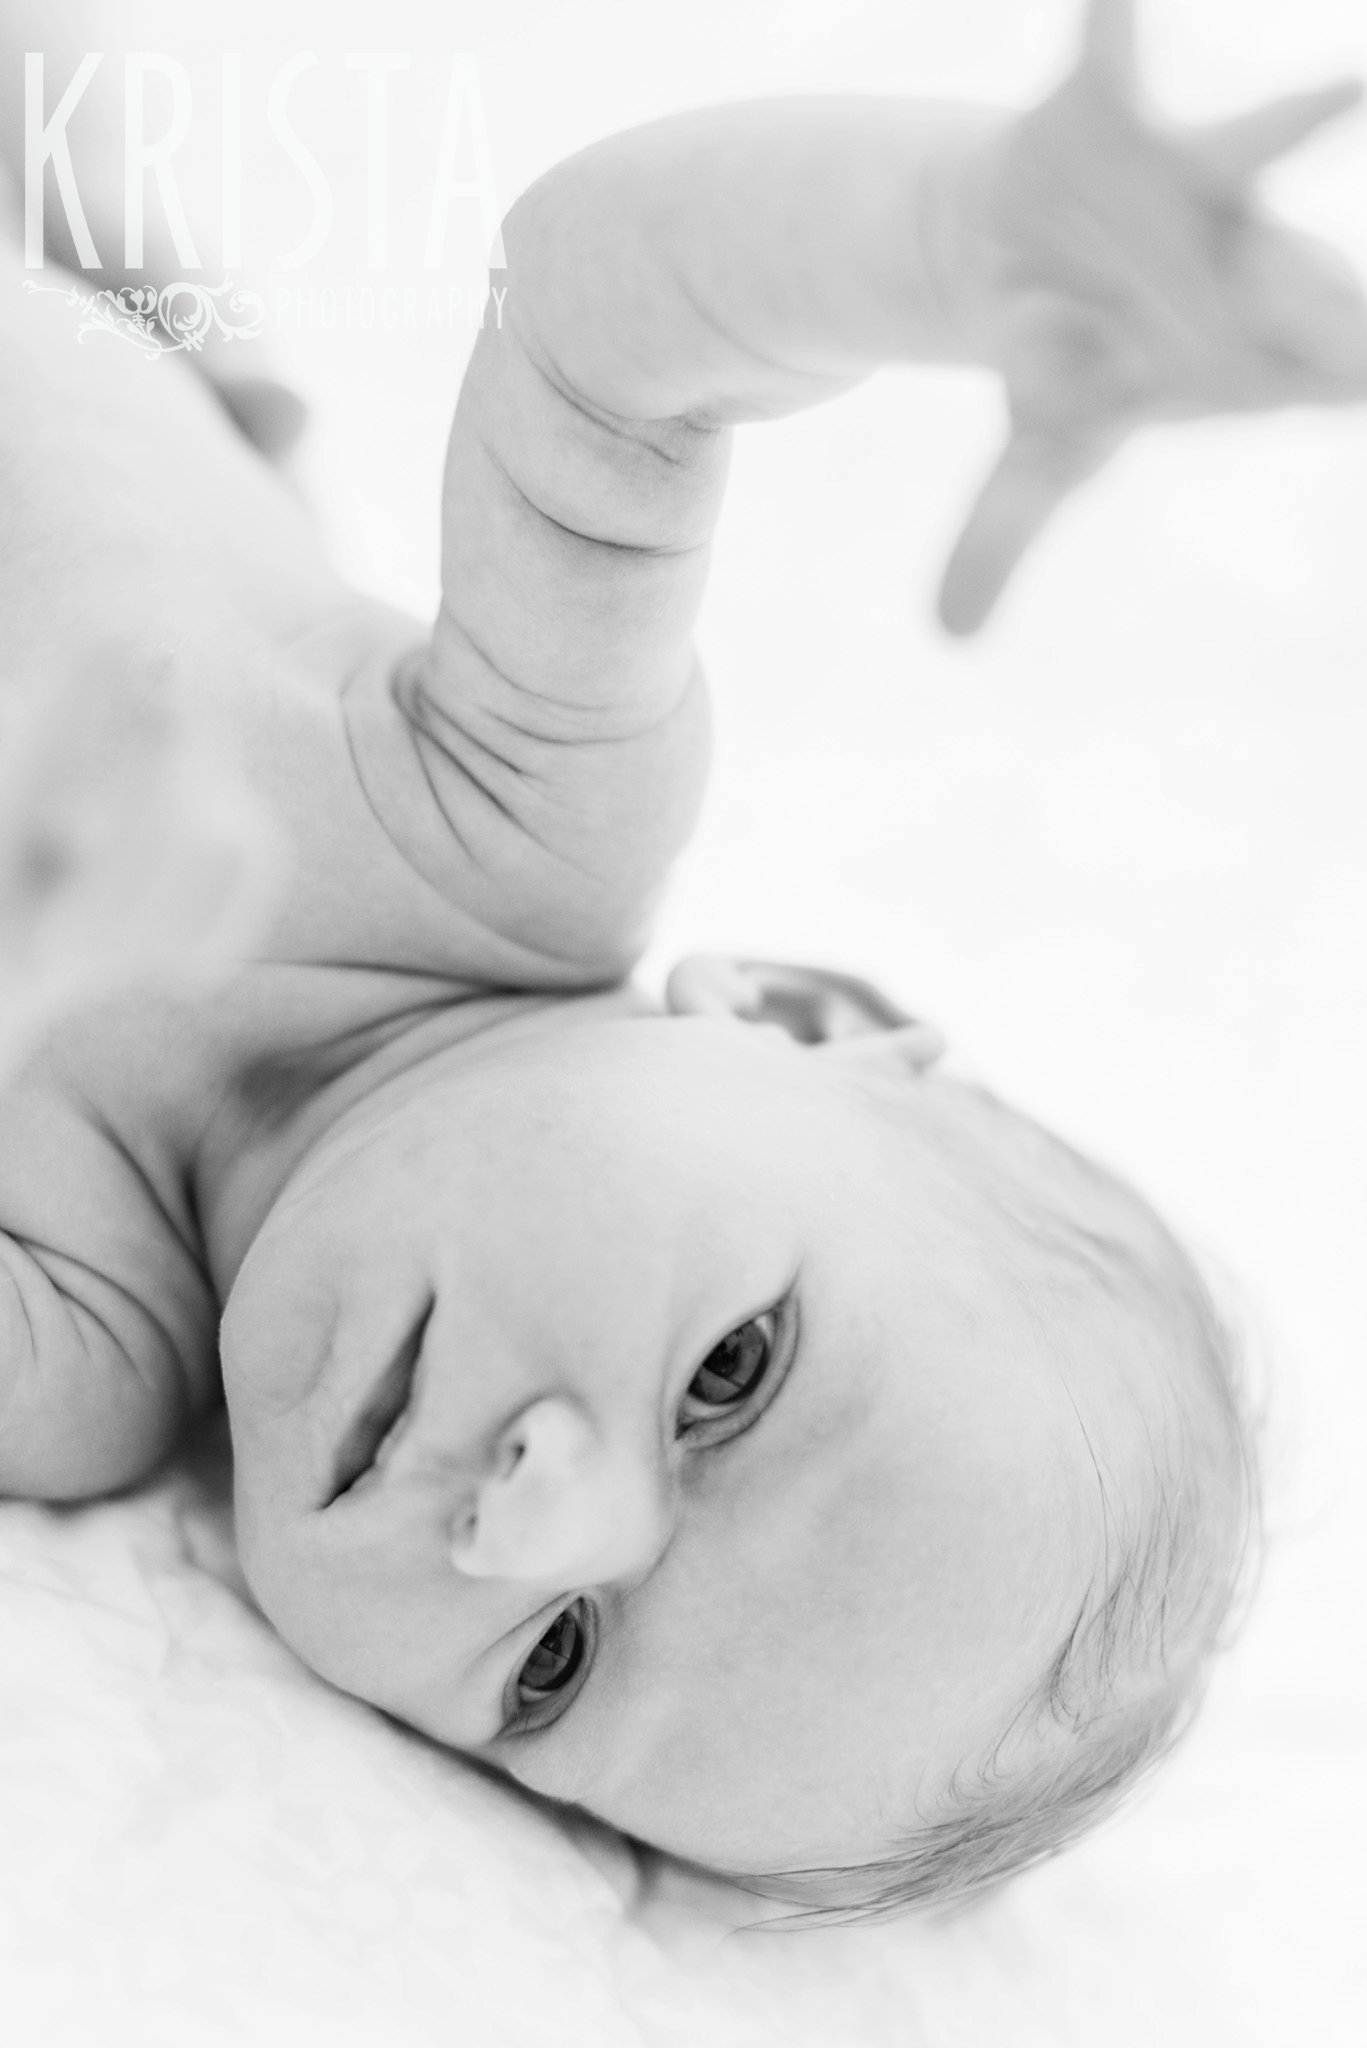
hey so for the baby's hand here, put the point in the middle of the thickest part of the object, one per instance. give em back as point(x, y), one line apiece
point(128, 850)
point(1138, 278)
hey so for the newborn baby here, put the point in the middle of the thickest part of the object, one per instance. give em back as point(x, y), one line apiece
point(713, 1416)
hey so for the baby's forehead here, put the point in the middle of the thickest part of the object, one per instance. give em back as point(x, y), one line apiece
point(1092, 1275)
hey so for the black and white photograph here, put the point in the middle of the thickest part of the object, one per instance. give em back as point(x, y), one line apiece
point(683, 993)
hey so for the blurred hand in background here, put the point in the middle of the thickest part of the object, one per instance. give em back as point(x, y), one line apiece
point(129, 851)
point(1138, 277)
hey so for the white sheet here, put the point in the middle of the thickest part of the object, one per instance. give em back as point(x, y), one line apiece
point(1120, 851)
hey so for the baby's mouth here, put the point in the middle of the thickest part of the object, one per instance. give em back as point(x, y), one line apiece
point(380, 1421)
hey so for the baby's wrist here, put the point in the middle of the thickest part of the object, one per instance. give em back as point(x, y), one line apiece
point(959, 250)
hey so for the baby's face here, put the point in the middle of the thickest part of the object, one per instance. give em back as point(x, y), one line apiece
point(768, 1505)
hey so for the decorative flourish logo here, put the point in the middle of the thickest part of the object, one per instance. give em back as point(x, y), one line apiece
point(158, 323)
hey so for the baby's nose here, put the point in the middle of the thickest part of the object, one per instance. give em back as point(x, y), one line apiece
point(560, 1504)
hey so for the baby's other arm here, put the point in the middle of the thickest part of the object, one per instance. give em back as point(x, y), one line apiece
point(107, 1319)
point(737, 264)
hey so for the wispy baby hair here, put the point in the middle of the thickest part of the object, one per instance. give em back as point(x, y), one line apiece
point(1178, 1565)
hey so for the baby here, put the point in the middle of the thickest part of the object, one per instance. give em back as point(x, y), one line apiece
point(713, 1416)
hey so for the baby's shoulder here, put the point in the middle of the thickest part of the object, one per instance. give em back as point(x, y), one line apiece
point(438, 823)
point(367, 875)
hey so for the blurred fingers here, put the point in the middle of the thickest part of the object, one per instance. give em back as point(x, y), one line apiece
point(130, 848)
point(1109, 49)
point(1308, 317)
point(1238, 149)
point(1032, 478)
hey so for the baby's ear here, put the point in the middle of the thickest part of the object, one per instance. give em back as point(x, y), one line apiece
point(842, 1015)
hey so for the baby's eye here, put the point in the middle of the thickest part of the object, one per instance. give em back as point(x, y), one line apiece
point(732, 1371)
point(557, 1658)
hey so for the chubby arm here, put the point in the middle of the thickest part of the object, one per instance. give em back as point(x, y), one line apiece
point(107, 1318)
point(728, 265)
point(740, 263)
point(92, 1394)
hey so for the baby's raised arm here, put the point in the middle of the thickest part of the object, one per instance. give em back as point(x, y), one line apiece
point(739, 263)
point(732, 264)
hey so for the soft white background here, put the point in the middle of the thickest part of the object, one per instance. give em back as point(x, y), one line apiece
point(1118, 848)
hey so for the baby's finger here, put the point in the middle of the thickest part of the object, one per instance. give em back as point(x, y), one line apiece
point(1239, 148)
point(1308, 318)
point(1029, 483)
point(1108, 50)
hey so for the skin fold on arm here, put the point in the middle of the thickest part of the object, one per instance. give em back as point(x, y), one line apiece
point(740, 263)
